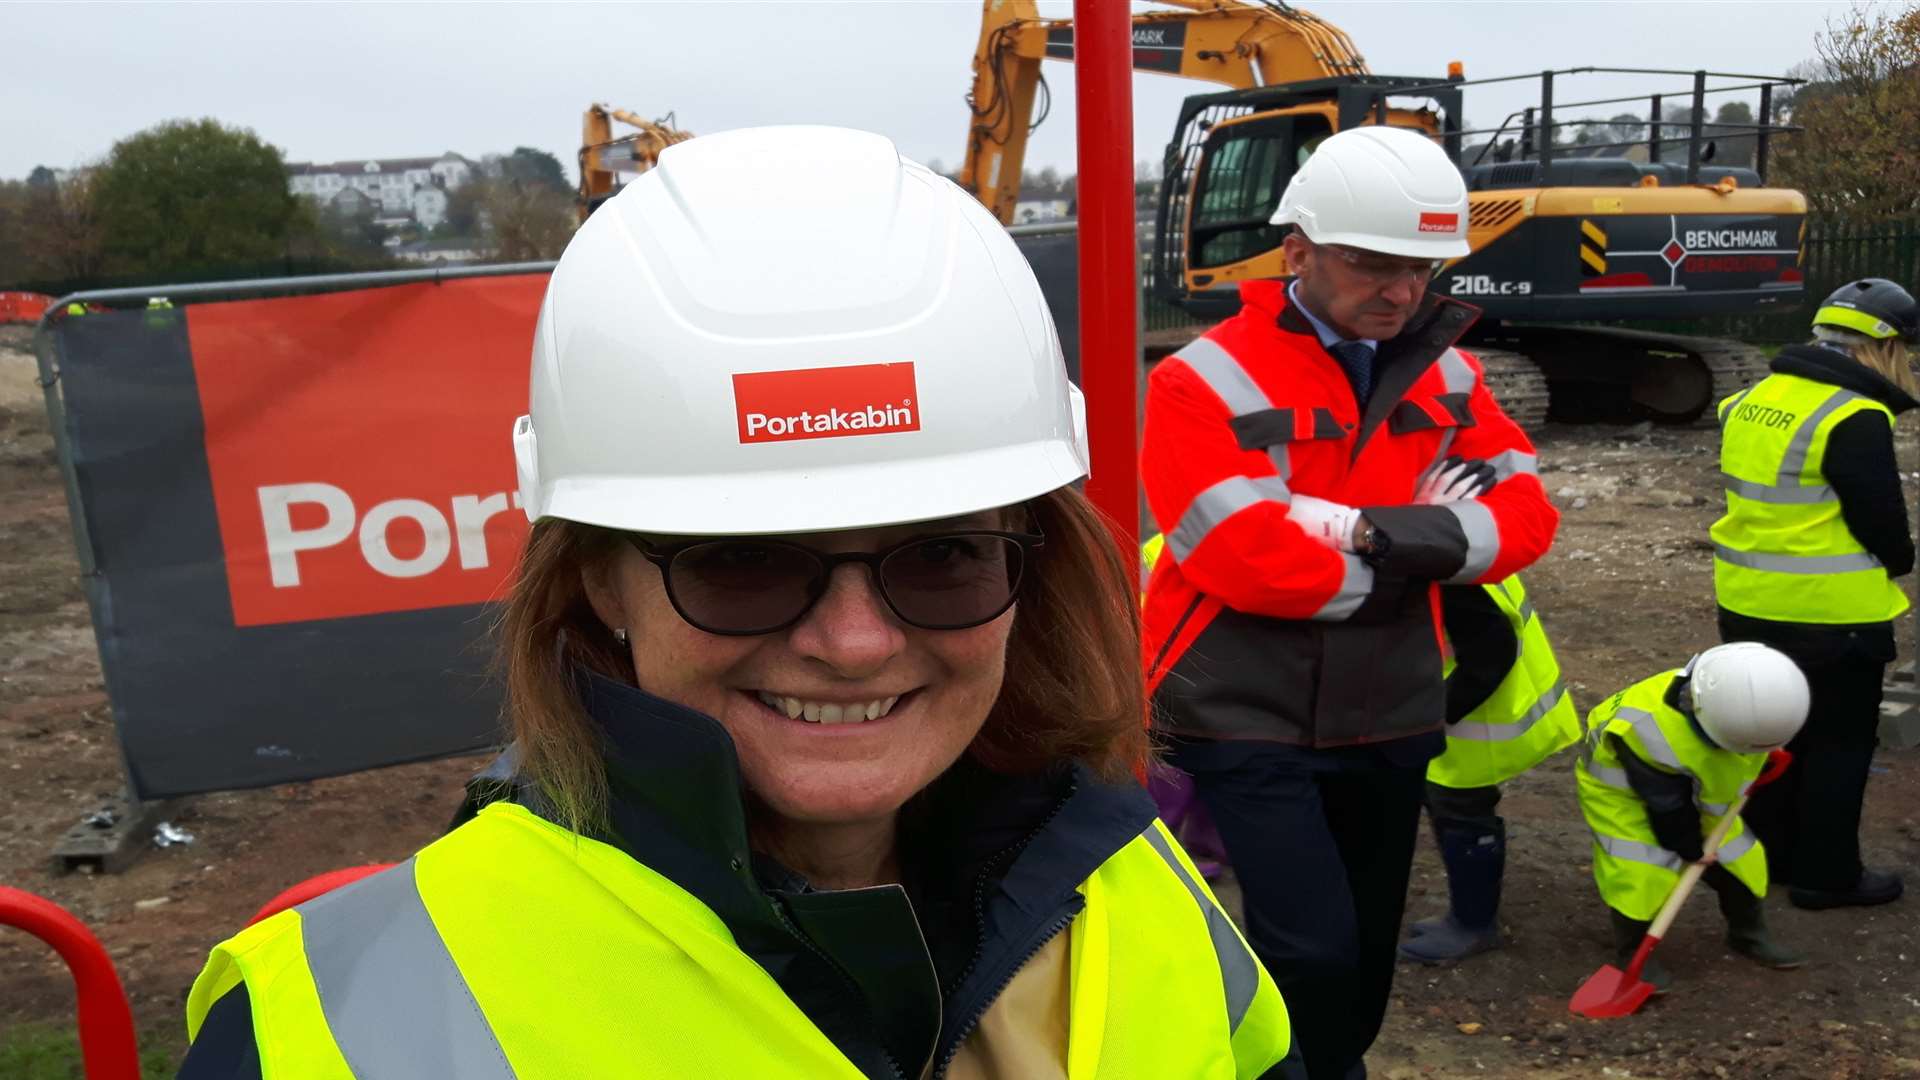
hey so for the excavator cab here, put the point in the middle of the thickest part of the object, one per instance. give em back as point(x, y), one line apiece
point(1241, 164)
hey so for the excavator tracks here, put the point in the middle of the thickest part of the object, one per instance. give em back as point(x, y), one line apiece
point(1615, 375)
point(1517, 383)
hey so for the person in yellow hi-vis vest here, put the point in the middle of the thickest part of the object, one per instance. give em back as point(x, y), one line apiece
point(1507, 710)
point(1806, 560)
point(1663, 762)
point(824, 685)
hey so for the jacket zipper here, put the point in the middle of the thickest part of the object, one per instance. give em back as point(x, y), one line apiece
point(793, 928)
point(979, 930)
point(1048, 933)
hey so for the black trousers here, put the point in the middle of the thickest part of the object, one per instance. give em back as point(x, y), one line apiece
point(1322, 845)
point(1465, 808)
point(1809, 819)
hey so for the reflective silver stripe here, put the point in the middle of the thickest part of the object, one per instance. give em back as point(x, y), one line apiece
point(1737, 846)
point(1635, 851)
point(1796, 457)
point(1477, 732)
point(1238, 971)
point(1796, 564)
point(1456, 373)
point(1733, 403)
point(1526, 611)
point(1717, 809)
point(1224, 376)
point(1231, 383)
point(1510, 463)
point(393, 998)
point(1647, 726)
point(1220, 502)
point(1483, 538)
point(1356, 584)
point(1610, 776)
point(1786, 494)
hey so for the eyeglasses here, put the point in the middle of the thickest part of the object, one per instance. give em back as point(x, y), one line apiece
point(1383, 270)
point(741, 587)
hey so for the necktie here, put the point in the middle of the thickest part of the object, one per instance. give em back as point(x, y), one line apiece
point(1356, 359)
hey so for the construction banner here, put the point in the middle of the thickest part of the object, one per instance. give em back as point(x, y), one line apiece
point(294, 516)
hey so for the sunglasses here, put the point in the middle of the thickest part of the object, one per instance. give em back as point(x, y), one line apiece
point(740, 587)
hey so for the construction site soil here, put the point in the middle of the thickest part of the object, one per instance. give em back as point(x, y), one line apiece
point(1626, 591)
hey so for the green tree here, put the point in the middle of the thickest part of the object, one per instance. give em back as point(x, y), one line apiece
point(1857, 153)
point(190, 196)
point(525, 221)
point(530, 166)
point(62, 228)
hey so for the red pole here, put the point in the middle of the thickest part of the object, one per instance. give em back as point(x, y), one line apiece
point(106, 1024)
point(1109, 261)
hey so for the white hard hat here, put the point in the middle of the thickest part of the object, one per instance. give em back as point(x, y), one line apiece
point(793, 329)
point(1748, 698)
point(1381, 189)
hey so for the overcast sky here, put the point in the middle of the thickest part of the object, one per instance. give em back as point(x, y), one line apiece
point(337, 81)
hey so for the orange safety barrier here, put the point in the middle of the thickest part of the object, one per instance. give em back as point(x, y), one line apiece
point(25, 307)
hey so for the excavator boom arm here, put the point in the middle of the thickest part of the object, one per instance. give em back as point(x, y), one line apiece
point(1236, 43)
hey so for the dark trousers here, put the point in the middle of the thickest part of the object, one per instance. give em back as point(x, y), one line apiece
point(1322, 844)
point(1465, 808)
point(1809, 819)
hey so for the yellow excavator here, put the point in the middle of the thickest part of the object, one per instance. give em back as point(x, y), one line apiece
point(605, 158)
point(1648, 228)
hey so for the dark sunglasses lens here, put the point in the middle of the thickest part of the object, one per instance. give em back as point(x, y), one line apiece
point(743, 587)
point(952, 582)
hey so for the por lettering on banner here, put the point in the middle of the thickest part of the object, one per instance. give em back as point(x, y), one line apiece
point(359, 449)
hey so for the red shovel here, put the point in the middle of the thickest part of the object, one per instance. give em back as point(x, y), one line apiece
point(1611, 992)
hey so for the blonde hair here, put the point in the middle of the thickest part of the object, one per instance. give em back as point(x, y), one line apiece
point(1072, 689)
point(1890, 357)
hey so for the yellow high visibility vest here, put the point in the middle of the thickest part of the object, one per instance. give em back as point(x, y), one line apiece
point(514, 948)
point(1635, 874)
point(1782, 551)
point(1527, 719)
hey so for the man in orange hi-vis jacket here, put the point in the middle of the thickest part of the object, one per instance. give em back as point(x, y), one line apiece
point(1320, 463)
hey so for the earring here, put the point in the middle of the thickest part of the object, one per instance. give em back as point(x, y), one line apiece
point(620, 635)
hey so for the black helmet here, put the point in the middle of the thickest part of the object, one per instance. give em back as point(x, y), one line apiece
point(1875, 307)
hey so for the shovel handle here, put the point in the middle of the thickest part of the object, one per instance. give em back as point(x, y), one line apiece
point(1777, 762)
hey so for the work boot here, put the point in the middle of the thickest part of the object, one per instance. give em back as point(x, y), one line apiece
point(1627, 935)
point(1747, 933)
point(1476, 860)
point(1874, 887)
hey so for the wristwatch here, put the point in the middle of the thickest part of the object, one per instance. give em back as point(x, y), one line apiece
point(1374, 544)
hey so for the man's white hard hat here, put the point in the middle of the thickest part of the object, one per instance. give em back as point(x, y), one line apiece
point(792, 329)
point(1381, 189)
point(1749, 698)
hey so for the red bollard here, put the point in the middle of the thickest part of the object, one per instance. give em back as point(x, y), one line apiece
point(106, 1023)
point(1109, 262)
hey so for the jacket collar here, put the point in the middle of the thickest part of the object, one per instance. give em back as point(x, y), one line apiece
point(990, 861)
point(1400, 361)
point(1836, 368)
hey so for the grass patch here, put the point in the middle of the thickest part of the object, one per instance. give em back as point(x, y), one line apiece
point(46, 1052)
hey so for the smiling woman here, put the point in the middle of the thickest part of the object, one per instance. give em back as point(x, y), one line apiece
point(824, 686)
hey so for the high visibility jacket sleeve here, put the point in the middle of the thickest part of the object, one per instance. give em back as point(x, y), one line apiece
point(1484, 539)
point(1250, 557)
point(1483, 644)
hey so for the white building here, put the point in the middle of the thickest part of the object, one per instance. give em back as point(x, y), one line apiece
point(393, 186)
